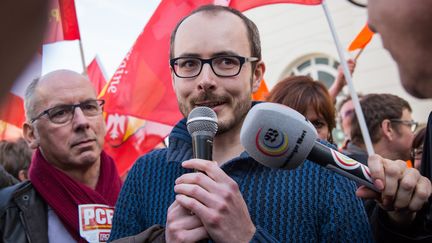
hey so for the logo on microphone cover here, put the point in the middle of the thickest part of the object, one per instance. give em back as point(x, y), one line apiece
point(272, 142)
point(347, 163)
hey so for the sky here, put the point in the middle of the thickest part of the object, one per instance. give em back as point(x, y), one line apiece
point(108, 29)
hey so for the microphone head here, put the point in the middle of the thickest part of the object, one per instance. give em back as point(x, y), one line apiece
point(202, 121)
point(277, 136)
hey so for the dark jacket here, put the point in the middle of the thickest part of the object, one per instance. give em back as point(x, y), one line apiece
point(23, 215)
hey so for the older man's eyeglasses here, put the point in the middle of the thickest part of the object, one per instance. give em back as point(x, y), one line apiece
point(222, 66)
point(412, 124)
point(64, 113)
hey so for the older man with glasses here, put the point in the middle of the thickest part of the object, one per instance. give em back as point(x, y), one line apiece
point(71, 178)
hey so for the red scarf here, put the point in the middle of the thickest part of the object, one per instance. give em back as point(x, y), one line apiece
point(64, 194)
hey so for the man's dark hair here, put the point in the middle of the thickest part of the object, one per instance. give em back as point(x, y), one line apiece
point(15, 156)
point(376, 108)
point(252, 30)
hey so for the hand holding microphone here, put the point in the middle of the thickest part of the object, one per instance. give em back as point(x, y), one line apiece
point(203, 194)
point(280, 137)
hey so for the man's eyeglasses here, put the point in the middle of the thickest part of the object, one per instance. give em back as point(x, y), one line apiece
point(413, 124)
point(64, 113)
point(222, 66)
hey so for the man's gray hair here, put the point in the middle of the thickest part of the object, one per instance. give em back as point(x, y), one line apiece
point(29, 99)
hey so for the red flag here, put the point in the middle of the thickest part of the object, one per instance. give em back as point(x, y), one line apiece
point(12, 110)
point(62, 21)
point(141, 86)
point(262, 92)
point(69, 20)
point(243, 5)
point(128, 138)
point(362, 39)
point(12, 107)
point(96, 75)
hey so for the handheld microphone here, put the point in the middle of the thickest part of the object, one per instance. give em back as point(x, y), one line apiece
point(280, 137)
point(202, 126)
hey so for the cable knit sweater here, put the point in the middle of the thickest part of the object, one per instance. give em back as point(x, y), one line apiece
point(308, 204)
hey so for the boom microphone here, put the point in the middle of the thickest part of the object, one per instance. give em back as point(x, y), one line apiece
point(202, 126)
point(280, 137)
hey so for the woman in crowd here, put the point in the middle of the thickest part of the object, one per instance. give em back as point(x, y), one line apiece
point(310, 98)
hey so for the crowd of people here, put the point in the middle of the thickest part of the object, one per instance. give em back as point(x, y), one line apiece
point(58, 184)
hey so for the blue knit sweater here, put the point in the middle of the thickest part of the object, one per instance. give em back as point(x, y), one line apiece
point(308, 204)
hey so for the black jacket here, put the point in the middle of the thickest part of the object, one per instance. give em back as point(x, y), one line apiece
point(23, 215)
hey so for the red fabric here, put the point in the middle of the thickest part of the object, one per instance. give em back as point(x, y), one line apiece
point(262, 92)
point(12, 110)
point(62, 22)
point(127, 138)
point(69, 20)
point(243, 5)
point(141, 86)
point(54, 31)
point(64, 194)
point(95, 74)
point(362, 39)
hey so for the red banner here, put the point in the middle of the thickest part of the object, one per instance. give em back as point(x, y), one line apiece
point(243, 5)
point(62, 22)
point(69, 20)
point(141, 86)
point(96, 75)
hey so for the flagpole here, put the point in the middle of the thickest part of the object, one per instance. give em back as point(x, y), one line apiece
point(82, 58)
point(354, 97)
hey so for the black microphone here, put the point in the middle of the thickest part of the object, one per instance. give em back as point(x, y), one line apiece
point(280, 137)
point(202, 126)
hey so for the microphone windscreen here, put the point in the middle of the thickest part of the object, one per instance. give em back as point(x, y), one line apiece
point(277, 136)
point(202, 121)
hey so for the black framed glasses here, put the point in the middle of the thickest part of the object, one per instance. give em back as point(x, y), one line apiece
point(62, 114)
point(222, 66)
point(413, 124)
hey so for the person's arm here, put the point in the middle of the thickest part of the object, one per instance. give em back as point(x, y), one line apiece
point(403, 193)
point(386, 230)
point(340, 80)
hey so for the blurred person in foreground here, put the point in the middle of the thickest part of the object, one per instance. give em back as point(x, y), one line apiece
point(216, 62)
point(15, 156)
point(69, 170)
point(405, 30)
point(310, 98)
point(22, 24)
